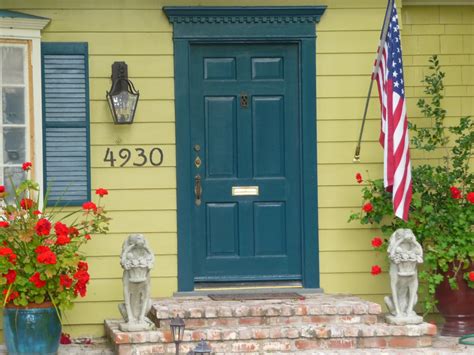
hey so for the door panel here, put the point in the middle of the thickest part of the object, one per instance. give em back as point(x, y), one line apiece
point(246, 122)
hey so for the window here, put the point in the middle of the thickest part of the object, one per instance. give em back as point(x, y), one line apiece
point(15, 125)
point(45, 109)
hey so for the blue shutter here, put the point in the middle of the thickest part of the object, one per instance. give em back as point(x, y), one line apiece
point(66, 122)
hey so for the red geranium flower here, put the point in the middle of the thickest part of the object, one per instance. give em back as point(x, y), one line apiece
point(359, 178)
point(83, 266)
point(47, 258)
point(43, 227)
point(10, 276)
point(2, 188)
point(37, 212)
point(65, 339)
point(11, 296)
point(471, 276)
point(80, 289)
point(101, 192)
point(4, 251)
point(61, 229)
point(73, 232)
point(87, 236)
point(65, 281)
point(368, 207)
point(26, 166)
point(26, 203)
point(82, 276)
point(377, 242)
point(376, 270)
point(4, 224)
point(36, 280)
point(455, 192)
point(42, 249)
point(470, 197)
point(63, 239)
point(89, 206)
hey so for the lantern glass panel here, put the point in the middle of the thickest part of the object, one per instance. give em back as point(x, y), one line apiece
point(124, 105)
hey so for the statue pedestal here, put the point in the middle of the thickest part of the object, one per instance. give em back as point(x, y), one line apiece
point(415, 319)
point(135, 327)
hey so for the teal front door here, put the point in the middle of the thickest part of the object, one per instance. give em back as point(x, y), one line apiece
point(246, 162)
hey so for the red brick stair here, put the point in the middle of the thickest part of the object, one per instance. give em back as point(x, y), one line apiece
point(284, 326)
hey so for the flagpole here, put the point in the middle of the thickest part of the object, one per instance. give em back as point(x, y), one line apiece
point(383, 36)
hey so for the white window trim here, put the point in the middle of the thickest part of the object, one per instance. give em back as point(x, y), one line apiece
point(19, 28)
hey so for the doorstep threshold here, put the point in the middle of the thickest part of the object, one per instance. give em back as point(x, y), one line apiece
point(205, 290)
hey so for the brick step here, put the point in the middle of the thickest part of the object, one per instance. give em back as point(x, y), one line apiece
point(315, 308)
point(267, 339)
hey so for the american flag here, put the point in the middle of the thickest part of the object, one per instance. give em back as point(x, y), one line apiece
point(394, 132)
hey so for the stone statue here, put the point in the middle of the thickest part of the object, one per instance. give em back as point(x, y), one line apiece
point(404, 253)
point(137, 260)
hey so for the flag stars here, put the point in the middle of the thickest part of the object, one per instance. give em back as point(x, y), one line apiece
point(396, 84)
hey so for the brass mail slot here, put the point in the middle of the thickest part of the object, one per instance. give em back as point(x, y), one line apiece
point(244, 190)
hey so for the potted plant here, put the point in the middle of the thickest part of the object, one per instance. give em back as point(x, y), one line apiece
point(42, 269)
point(442, 209)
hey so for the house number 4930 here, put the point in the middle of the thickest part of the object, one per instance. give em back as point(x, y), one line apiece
point(134, 156)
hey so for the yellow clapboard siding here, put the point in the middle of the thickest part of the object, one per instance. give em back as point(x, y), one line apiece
point(84, 4)
point(446, 59)
point(427, 44)
point(344, 131)
point(345, 108)
point(142, 221)
point(150, 88)
point(158, 4)
point(111, 290)
point(344, 20)
point(421, 15)
point(343, 86)
point(132, 20)
point(355, 283)
point(343, 153)
point(340, 196)
point(98, 154)
point(371, 152)
point(347, 239)
point(337, 218)
point(111, 244)
point(345, 64)
point(148, 111)
point(459, 29)
point(117, 43)
point(120, 20)
point(347, 42)
point(137, 200)
point(150, 66)
point(354, 261)
point(107, 267)
point(139, 133)
point(344, 174)
point(134, 178)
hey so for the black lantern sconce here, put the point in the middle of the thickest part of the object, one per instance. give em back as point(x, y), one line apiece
point(177, 331)
point(202, 348)
point(122, 98)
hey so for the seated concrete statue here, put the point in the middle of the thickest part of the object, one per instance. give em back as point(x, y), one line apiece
point(137, 260)
point(404, 253)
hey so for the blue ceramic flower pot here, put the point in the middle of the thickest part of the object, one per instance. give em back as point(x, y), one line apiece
point(34, 330)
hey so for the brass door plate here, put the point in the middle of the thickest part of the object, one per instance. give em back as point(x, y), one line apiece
point(245, 191)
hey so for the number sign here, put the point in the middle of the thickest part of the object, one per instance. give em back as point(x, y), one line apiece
point(134, 157)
